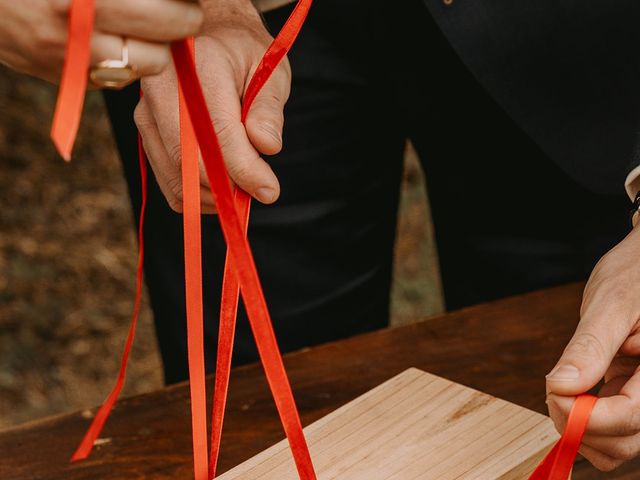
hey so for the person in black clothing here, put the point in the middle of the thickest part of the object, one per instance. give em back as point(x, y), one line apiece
point(524, 117)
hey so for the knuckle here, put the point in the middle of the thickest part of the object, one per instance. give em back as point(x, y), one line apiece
point(174, 184)
point(139, 117)
point(175, 154)
point(46, 40)
point(606, 465)
point(161, 58)
point(626, 452)
point(225, 129)
point(239, 170)
point(586, 345)
point(632, 425)
point(174, 204)
point(192, 20)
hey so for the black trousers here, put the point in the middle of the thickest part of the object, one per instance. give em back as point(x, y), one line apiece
point(368, 75)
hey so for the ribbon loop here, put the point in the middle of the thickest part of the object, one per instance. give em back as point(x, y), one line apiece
point(559, 461)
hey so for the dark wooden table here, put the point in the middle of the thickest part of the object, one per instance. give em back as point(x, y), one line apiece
point(504, 348)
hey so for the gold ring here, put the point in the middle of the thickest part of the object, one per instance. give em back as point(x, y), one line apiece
point(114, 73)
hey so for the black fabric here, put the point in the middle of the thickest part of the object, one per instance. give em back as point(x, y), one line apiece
point(565, 70)
point(508, 219)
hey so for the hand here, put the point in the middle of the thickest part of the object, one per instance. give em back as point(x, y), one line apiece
point(605, 345)
point(228, 51)
point(33, 33)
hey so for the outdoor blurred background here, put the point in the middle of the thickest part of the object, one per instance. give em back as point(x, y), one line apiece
point(68, 256)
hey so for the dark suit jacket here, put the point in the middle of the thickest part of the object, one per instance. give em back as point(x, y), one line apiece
point(567, 71)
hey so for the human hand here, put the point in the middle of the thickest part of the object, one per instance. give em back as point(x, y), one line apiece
point(228, 51)
point(605, 345)
point(33, 33)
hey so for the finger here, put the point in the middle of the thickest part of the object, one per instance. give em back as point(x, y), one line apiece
point(559, 408)
point(155, 20)
point(619, 448)
point(265, 119)
point(162, 100)
point(599, 460)
point(587, 356)
point(618, 414)
point(147, 58)
point(631, 346)
point(166, 171)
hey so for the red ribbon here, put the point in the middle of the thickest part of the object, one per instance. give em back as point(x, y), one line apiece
point(196, 129)
point(230, 286)
point(241, 257)
point(193, 285)
point(559, 461)
point(73, 83)
point(86, 445)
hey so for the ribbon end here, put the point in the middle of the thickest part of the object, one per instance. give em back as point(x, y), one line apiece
point(63, 145)
point(77, 456)
point(84, 449)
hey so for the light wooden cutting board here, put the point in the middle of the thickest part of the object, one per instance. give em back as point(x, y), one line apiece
point(415, 426)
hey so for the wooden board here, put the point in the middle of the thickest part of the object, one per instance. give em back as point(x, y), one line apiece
point(416, 426)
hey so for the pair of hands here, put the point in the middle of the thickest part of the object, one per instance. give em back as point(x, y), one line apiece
point(230, 44)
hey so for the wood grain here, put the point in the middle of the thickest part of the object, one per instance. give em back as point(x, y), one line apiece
point(415, 426)
point(502, 348)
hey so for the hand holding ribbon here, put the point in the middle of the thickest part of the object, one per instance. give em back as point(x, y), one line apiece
point(606, 345)
point(201, 130)
point(94, 31)
point(229, 50)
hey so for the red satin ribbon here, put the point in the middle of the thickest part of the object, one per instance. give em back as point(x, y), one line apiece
point(195, 128)
point(86, 445)
point(241, 257)
point(193, 286)
point(559, 461)
point(230, 286)
point(73, 83)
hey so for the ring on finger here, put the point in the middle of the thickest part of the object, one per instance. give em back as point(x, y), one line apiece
point(114, 74)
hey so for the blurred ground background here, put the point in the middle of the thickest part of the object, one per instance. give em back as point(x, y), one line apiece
point(68, 255)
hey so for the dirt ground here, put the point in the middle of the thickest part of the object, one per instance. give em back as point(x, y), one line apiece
point(68, 255)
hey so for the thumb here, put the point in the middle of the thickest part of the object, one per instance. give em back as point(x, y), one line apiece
point(265, 118)
point(244, 164)
point(586, 358)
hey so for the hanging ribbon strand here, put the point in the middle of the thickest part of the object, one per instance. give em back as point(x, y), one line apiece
point(241, 258)
point(73, 83)
point(86, 445)
point(559, 461)
point(230, 286)
point(196, 128)
point(193, 286)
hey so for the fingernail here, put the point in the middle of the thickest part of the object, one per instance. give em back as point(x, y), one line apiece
point(564, 373)
point(266, 195)
point(272, 131)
